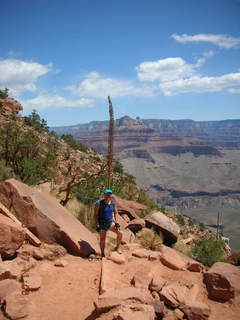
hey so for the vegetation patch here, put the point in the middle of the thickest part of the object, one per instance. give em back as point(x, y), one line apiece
point(149, 239)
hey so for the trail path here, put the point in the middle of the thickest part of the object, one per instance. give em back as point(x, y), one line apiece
point(66, 293)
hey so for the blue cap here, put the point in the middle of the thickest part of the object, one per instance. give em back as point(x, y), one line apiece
point(107, 191)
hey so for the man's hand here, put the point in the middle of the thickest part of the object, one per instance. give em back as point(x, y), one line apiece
point(117, 226)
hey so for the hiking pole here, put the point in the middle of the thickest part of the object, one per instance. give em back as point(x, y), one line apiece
point(110, 143)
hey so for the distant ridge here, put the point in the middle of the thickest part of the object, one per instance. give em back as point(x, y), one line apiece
point(225, 130)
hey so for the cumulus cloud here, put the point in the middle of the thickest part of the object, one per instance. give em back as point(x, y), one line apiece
point(168, 69)
point(200, 84)
point(21, 76)
point(234, 90)
point(175, 76)
point(43, 101)
point(220, 40)
point(97, 86)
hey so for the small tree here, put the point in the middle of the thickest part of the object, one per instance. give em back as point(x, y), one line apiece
point(3, 93)
point(35, 121)
point(209, 250)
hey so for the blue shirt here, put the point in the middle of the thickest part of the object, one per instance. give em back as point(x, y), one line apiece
point(106, 211)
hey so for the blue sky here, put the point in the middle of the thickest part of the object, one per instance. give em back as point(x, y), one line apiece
point(156, 59)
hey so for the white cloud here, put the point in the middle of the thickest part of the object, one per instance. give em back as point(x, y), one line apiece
point(97, 86)
point(43, 101)
point(234, 90)
point(200, 84)
point(220, 40)
point(165, 70)
point(21, 76)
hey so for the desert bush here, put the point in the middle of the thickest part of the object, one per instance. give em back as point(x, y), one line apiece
point(3, 93)
point(35, 121)
point(180, 219)
point(183, 248)
point(149, 239)
point(76, 145)
point(209, 250)
point(5, 172)
point(30, 159)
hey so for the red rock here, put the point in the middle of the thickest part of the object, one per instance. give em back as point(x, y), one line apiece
point(157, 283)
point(143, 277)
point(128, 236)
point(32, 280)
point(167, 226)
point(172, 258)
point(47, 219)
point(117, 296)
point(11, 237)
point(7, 287)
point(140, 253)
point(179, 314)
point(173, 295)
point(136, 225)
point(117, 258)
point(222, 281)
point(195, 266)
point(126, 218)
point(234, 258)
point(195, 310)
point(131, 246)
point(135, 312)
point(154, 255)
point(10, 105)
point(19, 266)
point(4, 273)
point(124, 208)
point(60, 263)
point(16, 306)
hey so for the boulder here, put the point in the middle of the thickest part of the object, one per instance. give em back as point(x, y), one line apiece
point(18, 267)
point(174, 295)
point(32, 280)
point(195, 310)
point(11, 237)
point(143, 277)
point(173, 259)
point(222, 281)
point(116, 257)
point(47, 219)
point(124, 208)
point(157, 283)
point(118, 296)
point(9, 286)
point(162, 223)
point(16, 306)
point(140, 253)
point(4, 273)
point(10, 105)
point(234, 258)
point(135, 312)
point(136, 225)
point(154, 255)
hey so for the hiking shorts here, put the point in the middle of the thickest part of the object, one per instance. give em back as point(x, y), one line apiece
point(106, 225)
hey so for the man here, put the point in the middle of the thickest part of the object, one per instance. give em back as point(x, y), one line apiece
point(106, 214)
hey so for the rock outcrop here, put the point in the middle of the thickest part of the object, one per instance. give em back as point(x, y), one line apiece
point(47, 219)
point(11, 237)
point(222, 281)
point(162, 223)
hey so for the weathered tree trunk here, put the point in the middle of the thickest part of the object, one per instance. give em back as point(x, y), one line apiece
point(110, 144)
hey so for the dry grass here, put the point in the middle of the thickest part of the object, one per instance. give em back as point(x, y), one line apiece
point(149, 239)
point(183, 248)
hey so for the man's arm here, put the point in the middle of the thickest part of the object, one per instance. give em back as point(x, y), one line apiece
point(96, 211)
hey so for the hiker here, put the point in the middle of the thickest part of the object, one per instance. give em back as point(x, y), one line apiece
point(106, 214)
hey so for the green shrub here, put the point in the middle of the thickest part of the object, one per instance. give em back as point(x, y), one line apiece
point(3, 93)
point(149, 239)
point(5, 172)
point(76, 145)
point(209, 250)
point(183, 248)
point(180, 220)
point(35, 121)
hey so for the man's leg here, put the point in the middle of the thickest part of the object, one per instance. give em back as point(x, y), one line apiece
point(119, 236)
point(102, 235)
